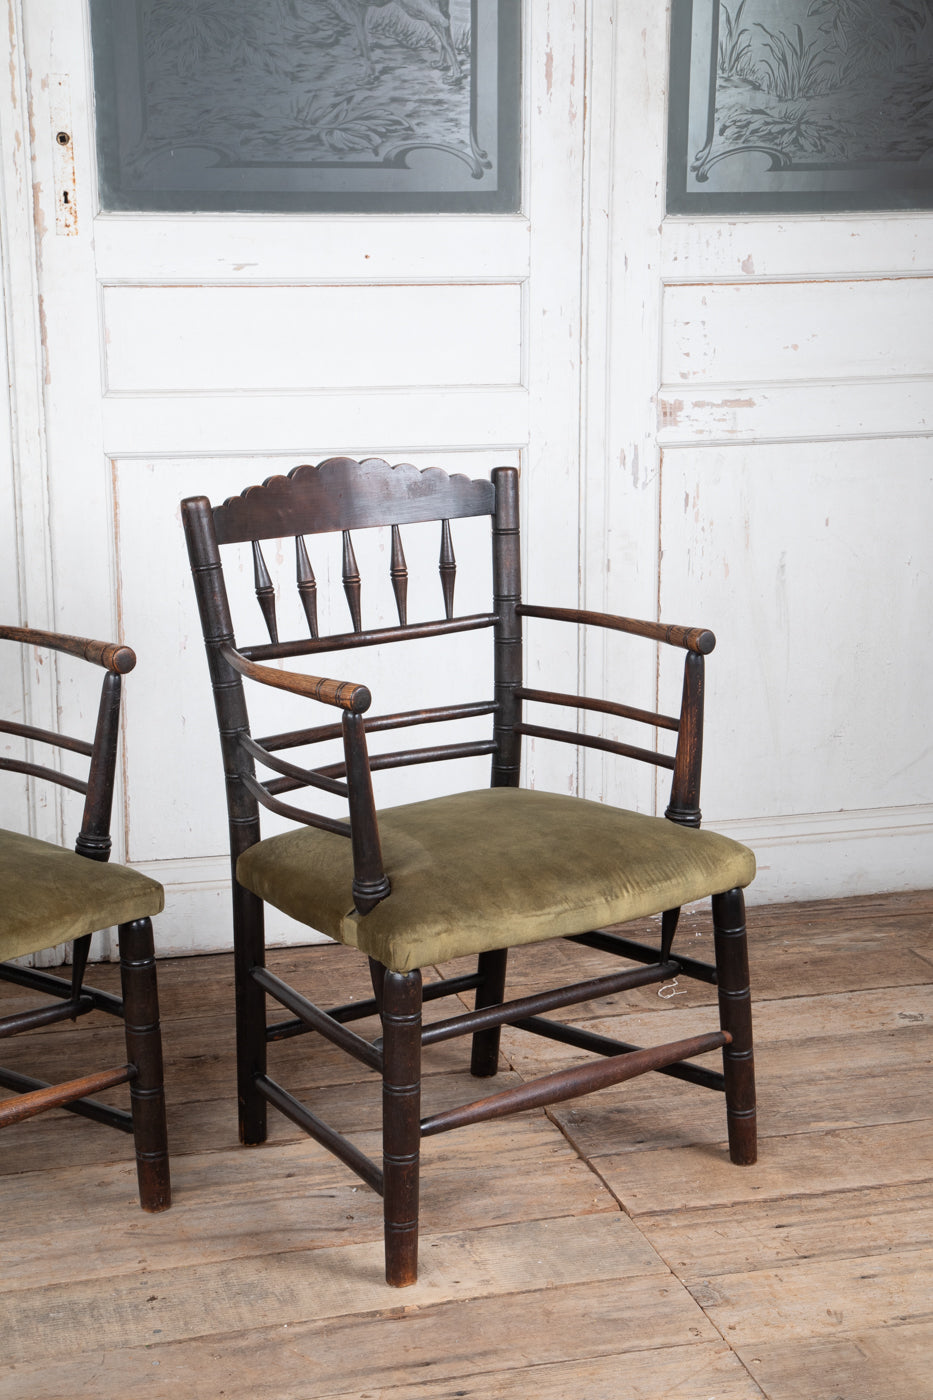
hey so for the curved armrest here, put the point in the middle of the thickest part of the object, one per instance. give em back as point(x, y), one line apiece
point(113, 656)
point(370, 882)
point(690, 638)
point(345, 695)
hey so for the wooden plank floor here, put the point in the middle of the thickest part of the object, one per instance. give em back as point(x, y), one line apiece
point(607, 1251)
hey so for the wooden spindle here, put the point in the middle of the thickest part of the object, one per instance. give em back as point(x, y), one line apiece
point(399, 573)
point(351, 581)
point(265, 593)
point(307, 584)
point(448, 568)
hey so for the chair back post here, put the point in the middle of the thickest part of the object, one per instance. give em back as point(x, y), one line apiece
point(94, 837)
point(507, 594)
point(684, 806)
point(229, 700)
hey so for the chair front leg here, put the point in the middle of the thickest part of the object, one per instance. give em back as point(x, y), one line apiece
point(144, 1051)
point(735, 1016)
point(401, 1123)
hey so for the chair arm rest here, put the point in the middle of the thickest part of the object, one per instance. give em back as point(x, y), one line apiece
point(690, 638)
point(345, 695)
point(113, 656)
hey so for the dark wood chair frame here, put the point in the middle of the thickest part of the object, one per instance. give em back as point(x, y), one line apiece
point(138, 1007)
point(342, 495)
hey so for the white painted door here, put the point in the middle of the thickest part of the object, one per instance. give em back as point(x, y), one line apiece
point(761, 463)
point(175, 358)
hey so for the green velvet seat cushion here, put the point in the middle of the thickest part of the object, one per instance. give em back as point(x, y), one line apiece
point(493, 869)
point(50, 895)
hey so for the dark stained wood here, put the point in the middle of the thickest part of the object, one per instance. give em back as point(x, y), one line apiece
point(343, 496)
point(684, 806)
point(491, 969)
point(265, 593)
point(318, 1020)
point(572, 1083)
point(57, 1095)
point(606, 707)
point(376, 636)
point(341, 1147)
point(370, 882)
point(447, 565)
point(144, 1051)
point(398, 570)
point(593, 741)
point(692, 638)
point(401, 1099)
point(507, 653)
point(509, 1011)
point(307, 584)
point(44, 1016)
point(351, 581)
point(345, 695)
point(735, 1017)
point(113, 656)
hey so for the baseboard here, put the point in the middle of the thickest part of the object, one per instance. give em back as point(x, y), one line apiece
point(828, 855)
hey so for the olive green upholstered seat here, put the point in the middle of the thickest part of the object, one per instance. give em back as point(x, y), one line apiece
point(499, 866)
point(51, 895)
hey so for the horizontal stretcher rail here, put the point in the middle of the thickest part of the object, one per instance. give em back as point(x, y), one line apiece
point(608, 942)
point(573, 1082)
point(604, 707)
point(375, 724)
point(317, 1019)
point(346, 641)
point(522, 1007)
point(47, 736)
point(328, 1137)
point(593, 741)
point(61, 1095)
point(358, 1010)
point(59, 987)
point(44, 1016)
point(582, 1039)
point(51, 775)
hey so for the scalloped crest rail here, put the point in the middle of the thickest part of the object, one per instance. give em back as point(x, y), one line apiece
point(317, 498)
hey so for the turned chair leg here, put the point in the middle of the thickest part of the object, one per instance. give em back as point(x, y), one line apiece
point(401, 1123)
point(144, 1051)
point(249, 952)
point(491, 967)
point(735, 1016)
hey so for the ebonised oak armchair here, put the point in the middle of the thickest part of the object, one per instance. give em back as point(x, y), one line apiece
point(477, 872)
point(50, 895)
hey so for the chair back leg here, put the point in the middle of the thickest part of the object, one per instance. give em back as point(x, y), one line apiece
point(401, 1123)
point(144, 1051)
point(735, 1016)
point(484, 1060)
point(251, 1045)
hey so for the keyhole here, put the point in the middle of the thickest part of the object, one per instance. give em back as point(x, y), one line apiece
point(63, 138)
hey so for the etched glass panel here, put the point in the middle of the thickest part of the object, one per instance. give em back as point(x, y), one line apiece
point(781, 105)
point(285, 105)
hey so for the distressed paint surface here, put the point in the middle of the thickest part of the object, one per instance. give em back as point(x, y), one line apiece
point(222, 349)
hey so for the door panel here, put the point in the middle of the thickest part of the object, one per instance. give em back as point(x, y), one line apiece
point(189, 354)
point(198, 340)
